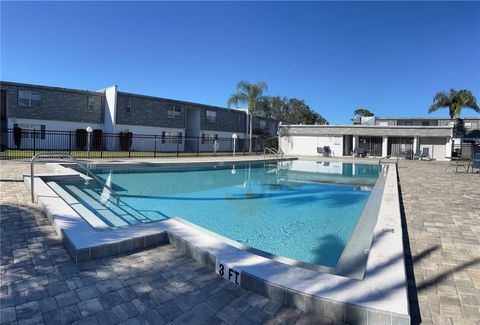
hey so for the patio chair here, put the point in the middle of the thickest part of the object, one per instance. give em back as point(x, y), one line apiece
point(328, 152)
point(425, 155)
point(476, 161)
point(320, 151)
point(358, 152)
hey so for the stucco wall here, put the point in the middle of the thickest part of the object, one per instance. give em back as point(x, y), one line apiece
point(307, 146)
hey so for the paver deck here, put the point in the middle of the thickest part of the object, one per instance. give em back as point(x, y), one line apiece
point(442, 211)
point(40, 283)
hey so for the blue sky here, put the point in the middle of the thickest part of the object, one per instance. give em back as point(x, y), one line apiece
point(389, 57)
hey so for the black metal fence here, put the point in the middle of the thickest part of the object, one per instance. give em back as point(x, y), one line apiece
point(17, 143)
point(465, 150)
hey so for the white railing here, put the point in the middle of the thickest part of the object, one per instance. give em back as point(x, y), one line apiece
point(278, 153)
point(72, 158)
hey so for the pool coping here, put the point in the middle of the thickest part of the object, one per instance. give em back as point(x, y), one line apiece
point(381, 295)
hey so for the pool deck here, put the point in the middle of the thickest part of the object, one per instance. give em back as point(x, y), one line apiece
point(39, 280)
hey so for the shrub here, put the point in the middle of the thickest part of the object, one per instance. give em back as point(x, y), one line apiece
point(81, 139)
point(125, 140)
point(97, 139)
point(17, 136)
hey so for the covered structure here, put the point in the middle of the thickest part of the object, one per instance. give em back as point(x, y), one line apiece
point(375, 140)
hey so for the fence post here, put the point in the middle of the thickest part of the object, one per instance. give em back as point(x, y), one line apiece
point(155, 147)
point(177, 147)
point(70, 142)
point(198, 145)
point(34, 142)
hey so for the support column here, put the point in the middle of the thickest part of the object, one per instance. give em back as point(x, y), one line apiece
point(448, 147)
point(416, 149)
point(385, 146)
point(354, 143)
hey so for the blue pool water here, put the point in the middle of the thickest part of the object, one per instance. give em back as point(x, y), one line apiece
point(303, 210)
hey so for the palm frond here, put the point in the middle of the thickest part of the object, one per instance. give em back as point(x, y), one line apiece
point(236, 99)
point(440, 100)
point(468, 100)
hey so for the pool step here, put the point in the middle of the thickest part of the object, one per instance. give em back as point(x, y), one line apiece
point(102, 210)
point(122, 209)
point(89, 216)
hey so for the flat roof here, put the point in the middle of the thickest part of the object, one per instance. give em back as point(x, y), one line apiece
point(424, 118)
point(366, 130)
point(70, 90)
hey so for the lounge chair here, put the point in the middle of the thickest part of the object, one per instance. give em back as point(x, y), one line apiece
point(358, 152)
point(320, 151)
point(425, 155)
point(328, 152)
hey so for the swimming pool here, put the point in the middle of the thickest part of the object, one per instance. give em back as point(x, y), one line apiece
point(302, 210)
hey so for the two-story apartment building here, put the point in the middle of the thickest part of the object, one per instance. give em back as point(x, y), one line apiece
point(175, 124)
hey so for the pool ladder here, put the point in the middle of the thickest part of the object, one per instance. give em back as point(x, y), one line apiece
point(277, 152)
point(73, 159)
point(387, 157)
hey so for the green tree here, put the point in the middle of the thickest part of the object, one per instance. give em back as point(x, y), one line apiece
point(362, 112)
point(252, 95)
point(455, 101)
point(290, 110)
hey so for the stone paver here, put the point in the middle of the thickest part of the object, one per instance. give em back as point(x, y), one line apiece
point(442, 212)
point(40, 283)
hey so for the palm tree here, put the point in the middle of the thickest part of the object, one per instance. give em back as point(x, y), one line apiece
point(455, 101)
point(252, 95)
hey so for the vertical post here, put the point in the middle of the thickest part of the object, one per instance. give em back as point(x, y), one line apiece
point(355, 141)
point(155, 147)
point(198, 145)
point(448, 147)
point(31, 179)
point(385, 146)
point(177, 146)
point(415, 146)
point(34, 142)
point(70, 142)
point(88, 145)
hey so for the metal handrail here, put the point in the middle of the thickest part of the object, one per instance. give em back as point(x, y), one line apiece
point(271, 150)
point(72, 158)
point(274, 151)
point(387, 157)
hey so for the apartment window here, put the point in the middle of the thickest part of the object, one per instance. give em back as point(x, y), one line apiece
point(263, 124)
point(209, 138)
point(174, 111)
point(408, 123)
point(211, 116)
point(90, 101)
point(29, 98)
point(32, 131)
point(172, 137)
point(425, 123)
point(128, 106)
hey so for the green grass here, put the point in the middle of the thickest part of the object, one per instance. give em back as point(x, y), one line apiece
point(26, 153)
